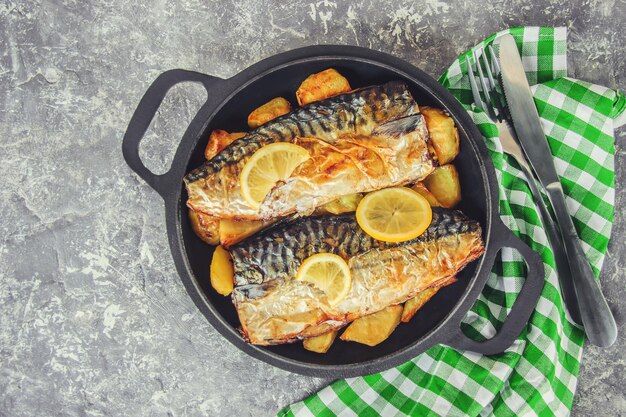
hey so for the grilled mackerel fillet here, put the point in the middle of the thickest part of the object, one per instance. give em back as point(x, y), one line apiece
point(274, 308)
point(361, 141)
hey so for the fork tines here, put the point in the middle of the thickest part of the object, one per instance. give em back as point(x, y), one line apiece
point(492, 103)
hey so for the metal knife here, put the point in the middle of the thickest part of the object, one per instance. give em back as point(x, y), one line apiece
point(596, 316)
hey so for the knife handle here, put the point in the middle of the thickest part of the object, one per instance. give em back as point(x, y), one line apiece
point(596, 316)
point(554, 238)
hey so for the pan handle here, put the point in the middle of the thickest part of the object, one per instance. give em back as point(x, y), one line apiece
point(522, 308)
point(144, 114)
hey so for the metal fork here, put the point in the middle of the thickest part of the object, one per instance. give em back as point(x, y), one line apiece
point(497, 111)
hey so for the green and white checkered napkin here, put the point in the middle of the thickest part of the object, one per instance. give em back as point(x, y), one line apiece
point(537, 375)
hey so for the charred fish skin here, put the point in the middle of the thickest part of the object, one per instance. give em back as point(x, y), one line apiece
point(276, 253)
point(341, 114)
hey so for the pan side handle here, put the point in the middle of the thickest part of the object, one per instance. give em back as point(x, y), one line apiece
point(144, 114)
point(522, 308)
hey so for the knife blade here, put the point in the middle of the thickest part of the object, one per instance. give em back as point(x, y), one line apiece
point(524, 113)
point(596, 316)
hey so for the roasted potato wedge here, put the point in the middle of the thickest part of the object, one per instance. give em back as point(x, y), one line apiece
point(414, 304)
point(205, 227)
point(345, 204)
point(417, 302)
point(321, 343)
point(268, 111)
point(375, 328)
point(222, 271)
point(322, 85)
point(218, 140)
point(233, 231)
point(444, 184)
point(444, 136)
point(421, 189)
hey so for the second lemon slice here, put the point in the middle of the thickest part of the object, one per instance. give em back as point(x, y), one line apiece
point(270, 164)
point(328, 273)
point(394, 214)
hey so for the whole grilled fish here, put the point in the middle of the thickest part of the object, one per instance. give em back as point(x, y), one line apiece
point(352, 118)
point(275, 308)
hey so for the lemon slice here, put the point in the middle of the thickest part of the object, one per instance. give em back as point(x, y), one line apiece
point(394, 214)
point(328, 273)
point(267, 166)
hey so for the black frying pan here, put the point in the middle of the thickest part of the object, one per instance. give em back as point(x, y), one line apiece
point(228, 104)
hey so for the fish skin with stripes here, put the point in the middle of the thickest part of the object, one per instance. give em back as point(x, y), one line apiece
point(368, 124)
point(274, 307)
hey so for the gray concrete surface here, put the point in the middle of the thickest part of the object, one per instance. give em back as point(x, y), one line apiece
point(93, 319)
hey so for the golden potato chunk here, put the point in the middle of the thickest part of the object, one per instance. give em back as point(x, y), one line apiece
point(322, 85)
point(222, 271)
point(321, 343)
point(345, 204)
point(233, 231)
point(444, 184)
point(417, 302)
point(218, 140)
point(414, 304)
point(421, 189)
point(269, 111)
point(375, 328)
point(205, 227)
point(444, 136)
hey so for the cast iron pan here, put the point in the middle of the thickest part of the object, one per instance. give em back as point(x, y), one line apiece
point(228, 104)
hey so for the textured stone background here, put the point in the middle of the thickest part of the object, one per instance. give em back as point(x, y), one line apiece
point(93, 319)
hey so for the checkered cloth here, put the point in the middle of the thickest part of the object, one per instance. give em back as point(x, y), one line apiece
point(537, 375)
